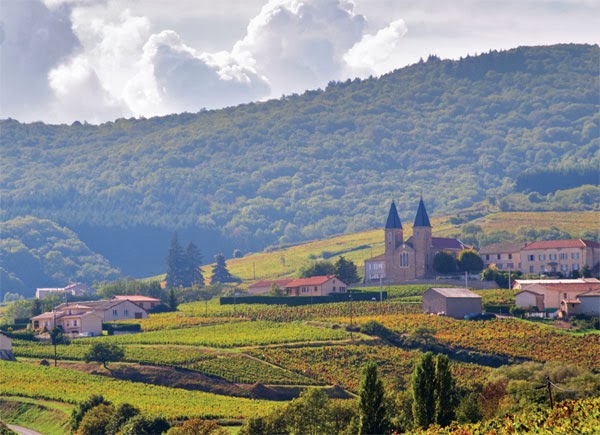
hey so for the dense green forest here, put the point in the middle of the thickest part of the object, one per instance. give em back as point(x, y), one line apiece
point(39, 253)
point(307, 166)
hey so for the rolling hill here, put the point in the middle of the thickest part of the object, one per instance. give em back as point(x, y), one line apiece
point(326, 162)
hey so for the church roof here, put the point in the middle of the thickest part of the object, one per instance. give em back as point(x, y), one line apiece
point(422, 220)
point(393, 220)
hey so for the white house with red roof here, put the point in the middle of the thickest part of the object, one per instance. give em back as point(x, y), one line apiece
point(552, 292)
point(409, 259)
point(316, 286)
point(263, 287)
point(564, 256)
point(146, 302)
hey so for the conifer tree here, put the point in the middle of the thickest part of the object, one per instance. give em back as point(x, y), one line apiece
point(372, 406)
point(175, 264)
point(220, 273)
point(346, 271)
point(193, 261)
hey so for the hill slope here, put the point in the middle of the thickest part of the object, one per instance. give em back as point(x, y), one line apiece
point(305, 167)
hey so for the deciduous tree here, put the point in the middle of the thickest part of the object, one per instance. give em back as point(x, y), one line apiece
point(346, 271)
point(104, 353)
point(444, 263)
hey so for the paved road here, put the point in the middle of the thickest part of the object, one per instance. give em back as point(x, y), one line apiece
point(23, 430)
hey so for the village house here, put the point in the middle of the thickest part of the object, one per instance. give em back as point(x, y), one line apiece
point(551, 292)
point(506, 256)
point(452, 302)
point(263, 287)
point(565, 256)
point(76, 289)
point(86, 318)
point(146, 302)
point(315, 286)
point(410, 259)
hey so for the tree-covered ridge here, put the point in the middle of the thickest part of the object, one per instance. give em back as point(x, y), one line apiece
point(39, 253)
point(325, 162)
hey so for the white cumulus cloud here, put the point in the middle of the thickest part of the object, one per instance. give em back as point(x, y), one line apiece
point(374, 52)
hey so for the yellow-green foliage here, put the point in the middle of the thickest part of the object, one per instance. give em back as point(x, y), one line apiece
point(232, 335)
point(20, 379)
point(570, 417)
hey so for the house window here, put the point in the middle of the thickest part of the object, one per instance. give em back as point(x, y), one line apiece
point(315, 289)
point(552, 256)
point(530, 269)
point(542, 257)
point(74, 322)
point(576, 267)
point(126, 312)
point(531, 258)
point(498, 256)
point(565, 296)
point(510, 256)
point(575, 255)
point(333, 288)
point(499, 265)
point(487, 256)
point(564, 256)
point(510, 265)
point(115, 313)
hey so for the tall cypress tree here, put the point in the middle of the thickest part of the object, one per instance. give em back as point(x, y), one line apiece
point(372, 406)
point(445, 397)
point(423, 391)
point(433, 391)
point(175, 264)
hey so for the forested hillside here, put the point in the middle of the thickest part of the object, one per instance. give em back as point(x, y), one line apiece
point(306, 166)
point(39, 253)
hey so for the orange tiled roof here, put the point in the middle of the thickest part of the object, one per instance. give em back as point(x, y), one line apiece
point(268, 283)
point(555, 244)
point(313, 280)
point(135, 298)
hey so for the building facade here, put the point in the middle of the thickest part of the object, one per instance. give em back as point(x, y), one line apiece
point(564, 256)
point(410, 259)
point(506, 256)
point(452, 302)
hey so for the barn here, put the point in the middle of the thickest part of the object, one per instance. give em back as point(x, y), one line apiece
point(452, 302)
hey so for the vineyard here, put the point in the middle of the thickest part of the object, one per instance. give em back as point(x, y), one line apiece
point(282, 348)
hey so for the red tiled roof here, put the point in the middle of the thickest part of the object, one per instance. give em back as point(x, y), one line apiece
point(268, 283)
point(313, 280)
point(576, 287)
point(501, 248)
point(447, 243)
point(135, 298)
point(555, 244)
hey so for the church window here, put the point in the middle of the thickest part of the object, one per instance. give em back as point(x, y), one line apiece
point(389, 236)
point(404, 259)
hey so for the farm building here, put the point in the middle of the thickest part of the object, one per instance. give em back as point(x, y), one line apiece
point(453, 302)
point(6, 352)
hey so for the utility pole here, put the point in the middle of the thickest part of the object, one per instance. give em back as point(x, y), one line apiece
point(350, 296)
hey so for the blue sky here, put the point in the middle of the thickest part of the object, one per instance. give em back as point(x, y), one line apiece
point(98, 60)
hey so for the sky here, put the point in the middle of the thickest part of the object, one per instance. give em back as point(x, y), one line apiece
point(98, 60)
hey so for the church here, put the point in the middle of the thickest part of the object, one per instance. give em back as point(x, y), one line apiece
point(410, 259)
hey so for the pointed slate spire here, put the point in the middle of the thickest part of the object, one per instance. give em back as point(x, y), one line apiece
point(393, 220)
point(422, 220)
